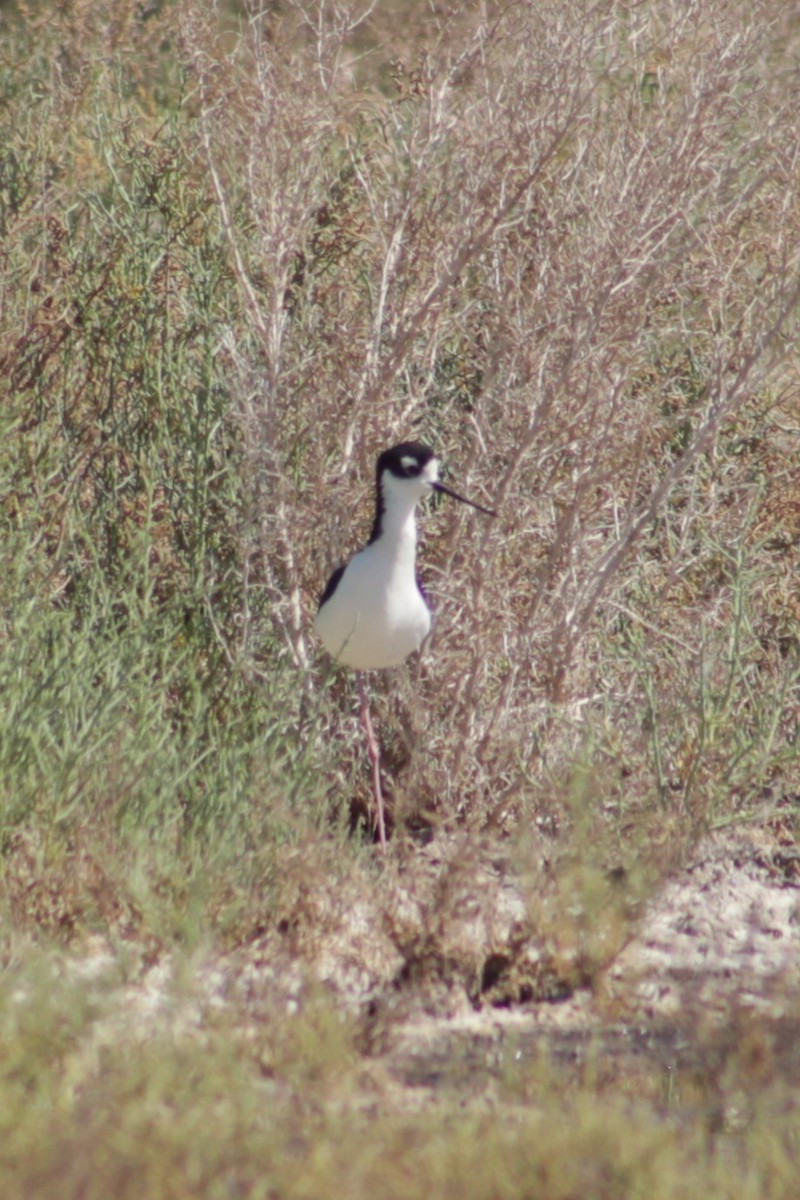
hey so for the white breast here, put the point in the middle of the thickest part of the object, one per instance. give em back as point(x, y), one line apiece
point(377, 616)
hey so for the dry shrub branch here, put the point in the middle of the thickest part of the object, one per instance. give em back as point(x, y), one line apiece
point(561, 243)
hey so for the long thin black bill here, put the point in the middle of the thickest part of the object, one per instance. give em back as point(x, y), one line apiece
point(442, 487)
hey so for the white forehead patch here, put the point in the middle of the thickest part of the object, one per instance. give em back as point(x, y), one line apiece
point(430, 472)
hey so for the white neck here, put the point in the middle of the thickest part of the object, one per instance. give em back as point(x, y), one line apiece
point(399, 520)
point(398, 537)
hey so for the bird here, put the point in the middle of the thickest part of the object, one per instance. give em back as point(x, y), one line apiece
point(373, 612)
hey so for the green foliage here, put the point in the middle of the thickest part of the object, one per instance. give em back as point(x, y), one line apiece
point(122, 480)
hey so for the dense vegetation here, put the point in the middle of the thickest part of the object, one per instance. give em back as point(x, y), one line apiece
point(243, 250)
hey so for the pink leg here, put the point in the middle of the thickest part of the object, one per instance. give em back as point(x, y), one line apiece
point(375, 755)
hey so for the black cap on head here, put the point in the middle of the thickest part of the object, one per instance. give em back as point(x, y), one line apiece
point(404, 461)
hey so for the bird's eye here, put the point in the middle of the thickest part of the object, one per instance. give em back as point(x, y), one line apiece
point(410, 465)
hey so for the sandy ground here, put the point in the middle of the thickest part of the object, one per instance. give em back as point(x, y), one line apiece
point(455, 985)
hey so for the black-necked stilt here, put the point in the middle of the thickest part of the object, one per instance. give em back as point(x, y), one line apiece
point(373, 612)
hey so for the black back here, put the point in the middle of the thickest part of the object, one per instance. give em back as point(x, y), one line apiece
point(331, 585)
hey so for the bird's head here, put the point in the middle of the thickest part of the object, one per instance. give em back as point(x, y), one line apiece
point(412, 469)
